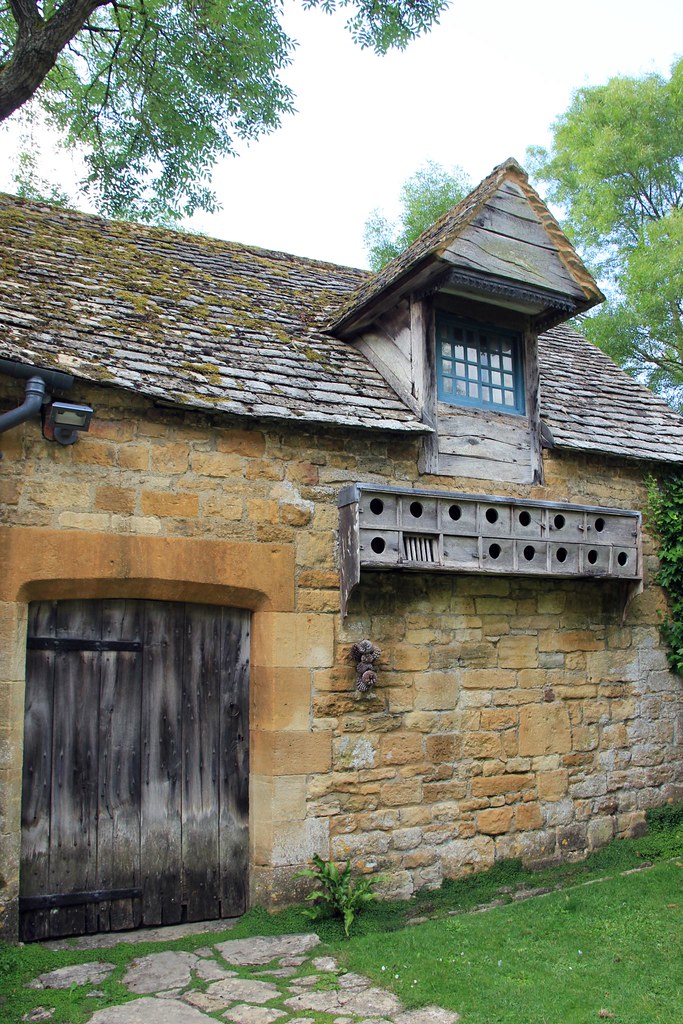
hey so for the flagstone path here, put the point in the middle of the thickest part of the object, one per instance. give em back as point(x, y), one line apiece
point(278, 979)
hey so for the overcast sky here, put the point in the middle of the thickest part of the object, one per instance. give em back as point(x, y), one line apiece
point(482, 86)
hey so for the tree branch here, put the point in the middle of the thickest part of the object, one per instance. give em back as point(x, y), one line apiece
point(37, 48)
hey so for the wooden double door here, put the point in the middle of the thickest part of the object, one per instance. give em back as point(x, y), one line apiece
point(135, 784)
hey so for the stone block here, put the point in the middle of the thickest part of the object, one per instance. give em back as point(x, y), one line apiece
point(281, 798)
point(224, 507)
point(217, 464)
point(179, 505)
point(437, 792)
point(92, 452)
point(115, 499)
point(571, 640)
point(442, 748)
point(293, 640)
point(495, 785)
point(495, 820)
point(544, 729)
point(91, 521)
point(600, 832)
point(170, 458)
point(518, 651)
point(315, 549)
point(499, 718)
point(13, 619)
point(408, 658)
point(354, 752)
point(405, 792)
point(552, 785)
point(296, 843)
point(528, 817)
point(402, 748)
point(291, 753)
point(572, 838)
point(435, 691)
point(10, 492)
point(482, 745)
point(281, 698)
point(487, 679)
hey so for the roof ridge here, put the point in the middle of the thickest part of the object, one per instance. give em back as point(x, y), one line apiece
point(136, 228)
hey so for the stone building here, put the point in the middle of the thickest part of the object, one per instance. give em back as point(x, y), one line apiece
point(285, 458)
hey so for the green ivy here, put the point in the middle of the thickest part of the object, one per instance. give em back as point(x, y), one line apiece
point(665, 509)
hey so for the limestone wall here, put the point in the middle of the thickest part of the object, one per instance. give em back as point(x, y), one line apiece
point(513, 717)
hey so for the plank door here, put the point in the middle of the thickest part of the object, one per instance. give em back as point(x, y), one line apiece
point(135, 784)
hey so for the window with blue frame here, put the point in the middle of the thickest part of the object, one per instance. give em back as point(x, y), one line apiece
point(479, 366)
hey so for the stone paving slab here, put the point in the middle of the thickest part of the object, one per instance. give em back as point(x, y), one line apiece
point(150, 1010)
point(262, 949)
point(160, 971)
point(371, 1002)
point(428, 1015)
point(80, 974)
point(167, 982)
point(243, 990)
point(246, 1014)
point(211, 970)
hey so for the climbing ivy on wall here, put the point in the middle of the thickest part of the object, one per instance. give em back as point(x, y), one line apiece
point(666, 519)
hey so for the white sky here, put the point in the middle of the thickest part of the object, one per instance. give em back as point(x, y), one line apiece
point(482, 86)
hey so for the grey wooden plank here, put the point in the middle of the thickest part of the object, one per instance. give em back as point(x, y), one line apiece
point(390, 361)
point(488, 448)
point(234, 764)
point(456, 420)
point(510, 225)
point(512, 201)
point(37, 771)
point(201, 738)
point(161, 791)
point(73, 828)
point(118, 833)
point(481, 469)
point(504, 257)
point(532, 382)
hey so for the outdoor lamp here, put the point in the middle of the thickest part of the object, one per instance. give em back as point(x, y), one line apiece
point(63, 421)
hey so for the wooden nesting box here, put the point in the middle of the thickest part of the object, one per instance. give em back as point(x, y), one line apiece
point(392, 528)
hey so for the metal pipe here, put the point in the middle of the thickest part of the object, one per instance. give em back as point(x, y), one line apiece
point(35, 395)
point(55, 380)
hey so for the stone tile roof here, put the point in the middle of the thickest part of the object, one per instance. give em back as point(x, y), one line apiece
point(184, 318)
point(435, 240)
point(591, 405)
point(231, 328)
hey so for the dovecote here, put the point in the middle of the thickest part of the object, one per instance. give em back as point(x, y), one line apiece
point(386, 528)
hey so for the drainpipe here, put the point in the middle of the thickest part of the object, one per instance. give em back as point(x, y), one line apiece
point(37, 382)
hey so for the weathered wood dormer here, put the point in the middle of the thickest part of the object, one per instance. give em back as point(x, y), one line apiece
point(453, 323)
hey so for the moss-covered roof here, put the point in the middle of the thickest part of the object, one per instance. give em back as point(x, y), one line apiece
point(213, 325)
point(593, 406)
point(184, 318)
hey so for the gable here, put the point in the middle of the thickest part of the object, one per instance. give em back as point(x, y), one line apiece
point(501, 242)
point(506, 239)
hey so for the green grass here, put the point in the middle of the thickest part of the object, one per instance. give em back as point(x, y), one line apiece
point(612, 946)
point(516, 964)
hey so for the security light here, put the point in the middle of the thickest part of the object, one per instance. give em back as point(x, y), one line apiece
point(63, 421)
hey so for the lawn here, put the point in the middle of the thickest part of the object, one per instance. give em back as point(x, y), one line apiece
point(603, 944)
point(610, 950)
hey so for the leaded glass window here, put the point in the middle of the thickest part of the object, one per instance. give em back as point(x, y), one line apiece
point(480, 366)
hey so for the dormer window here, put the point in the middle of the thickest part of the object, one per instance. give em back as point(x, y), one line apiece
point(479, 366)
